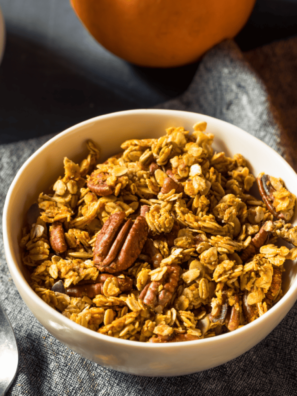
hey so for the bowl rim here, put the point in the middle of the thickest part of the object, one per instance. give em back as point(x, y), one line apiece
point(289, 297)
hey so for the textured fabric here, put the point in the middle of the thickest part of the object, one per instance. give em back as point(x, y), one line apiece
point(225, 87)
point(277, 66)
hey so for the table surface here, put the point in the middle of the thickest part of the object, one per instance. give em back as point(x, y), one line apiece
point(54, 74)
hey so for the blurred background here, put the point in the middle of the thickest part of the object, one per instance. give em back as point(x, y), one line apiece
point(54, 74)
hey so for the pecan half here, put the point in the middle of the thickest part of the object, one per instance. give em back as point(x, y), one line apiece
point(107, 235)
point(259, 240)
point(266, 191)
point(156, 299)
point(149, 294)
point(97, 184)
point(173, 338)
point(119, 243)
point(153, 253)
point(90, 291)
point(169, 184)
point(93, 289)
point(57, 237)
point(234, 319)
point(153, 167)
point(172, 235)
point(144, 209)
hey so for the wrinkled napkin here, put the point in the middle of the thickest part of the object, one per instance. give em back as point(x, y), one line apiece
point(254, 91)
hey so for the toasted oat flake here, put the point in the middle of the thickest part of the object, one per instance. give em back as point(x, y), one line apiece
point(157, 274)
point(190, 275)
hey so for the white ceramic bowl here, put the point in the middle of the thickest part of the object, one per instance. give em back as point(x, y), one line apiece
point(109, 131)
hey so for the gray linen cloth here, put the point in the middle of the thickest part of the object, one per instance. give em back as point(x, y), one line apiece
point(225, 87)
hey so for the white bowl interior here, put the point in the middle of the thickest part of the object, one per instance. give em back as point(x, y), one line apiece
point(108, 132)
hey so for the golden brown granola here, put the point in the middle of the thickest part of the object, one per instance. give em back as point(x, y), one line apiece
point(162, 242)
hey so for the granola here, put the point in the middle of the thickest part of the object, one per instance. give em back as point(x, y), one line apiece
point(162, 242)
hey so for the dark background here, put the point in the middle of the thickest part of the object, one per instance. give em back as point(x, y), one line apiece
point(54, 74)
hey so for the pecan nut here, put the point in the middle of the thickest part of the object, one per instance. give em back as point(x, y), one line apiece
point(153, 253)
point(144, 209)
point(234, 320)
point(156, 299)
point(57, 237)
point(149, 294)
point(97, 184)
point(153, 167)
point(259, 240)
point(169, 184)
point(172, 235)
point(119, 243)
point(107, 234)
point(91, 290)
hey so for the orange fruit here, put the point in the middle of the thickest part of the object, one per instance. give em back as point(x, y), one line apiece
point(162, 33)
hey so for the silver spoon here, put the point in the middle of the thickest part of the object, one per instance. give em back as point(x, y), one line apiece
point(9, 355)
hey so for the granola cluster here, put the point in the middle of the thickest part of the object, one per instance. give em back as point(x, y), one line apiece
point(162, 242)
